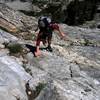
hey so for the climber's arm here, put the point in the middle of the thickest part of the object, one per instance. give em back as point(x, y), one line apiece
point(61, 33)
point(56, 27)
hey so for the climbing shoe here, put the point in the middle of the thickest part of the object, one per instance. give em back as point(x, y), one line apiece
point(49, 48)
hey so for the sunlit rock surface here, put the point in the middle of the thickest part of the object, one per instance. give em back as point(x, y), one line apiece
point(70, 72)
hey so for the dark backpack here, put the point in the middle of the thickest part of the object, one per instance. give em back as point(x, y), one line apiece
point(44, 22)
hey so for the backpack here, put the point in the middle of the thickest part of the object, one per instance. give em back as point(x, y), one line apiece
point(44, 22)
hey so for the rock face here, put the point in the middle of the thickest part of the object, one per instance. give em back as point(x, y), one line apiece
point(70, 72)
point(64, 9)
point(13, 77)
point(25, 5)
point(12, 80)
point(6, 37)
point(14, 21)
point(8, 26)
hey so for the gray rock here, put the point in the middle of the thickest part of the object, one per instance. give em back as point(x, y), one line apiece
point(65, 76)
point(6, 37)
point(17, 21)
point(12, 79)
point(71, 71)
point(18, 4)
point(2, 46)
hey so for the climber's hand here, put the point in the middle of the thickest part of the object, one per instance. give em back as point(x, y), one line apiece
point(64, 38)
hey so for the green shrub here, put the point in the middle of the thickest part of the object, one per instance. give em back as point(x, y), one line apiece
point(38, 89)
point(34, 93)
point(15, 48)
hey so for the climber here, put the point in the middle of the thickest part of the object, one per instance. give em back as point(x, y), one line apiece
point(46, 27)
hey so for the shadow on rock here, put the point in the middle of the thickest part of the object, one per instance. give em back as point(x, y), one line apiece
point(33, 48)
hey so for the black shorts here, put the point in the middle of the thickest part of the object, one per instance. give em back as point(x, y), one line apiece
point(46, 33)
